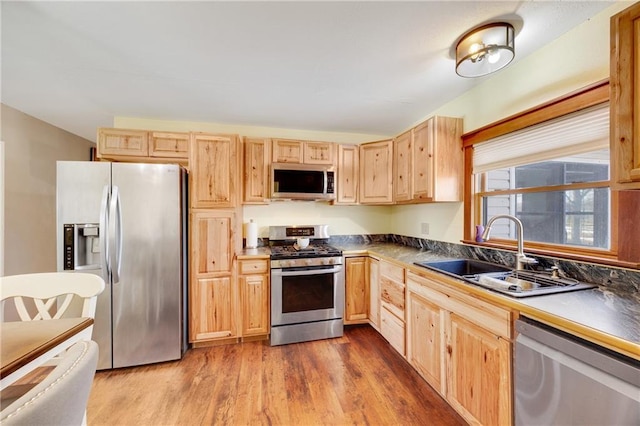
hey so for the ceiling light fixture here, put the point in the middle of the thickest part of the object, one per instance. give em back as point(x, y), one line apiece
point(485, 49)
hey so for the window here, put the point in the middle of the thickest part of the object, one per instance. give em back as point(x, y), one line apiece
point(550, 168)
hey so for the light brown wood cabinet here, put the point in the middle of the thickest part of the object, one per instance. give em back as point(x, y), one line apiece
point(213, 294)
point(169, 145)
point(625, 98)
point(392, 303)
point(425, 342)
point(348, 169)
point(215, 169)
point(376, 177)
point(307, 152)
point(114, 143)
point(374, 292)
point(143, 146)
point(253, 280)
point(256, 157)
point(428, 162)
point(462, 347)
point(357, 290)
point(403, 167)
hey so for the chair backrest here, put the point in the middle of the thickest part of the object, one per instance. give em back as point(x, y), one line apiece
point(45, 289)
point(61, 398)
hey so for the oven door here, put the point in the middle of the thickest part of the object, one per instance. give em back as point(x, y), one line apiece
point(306, 294)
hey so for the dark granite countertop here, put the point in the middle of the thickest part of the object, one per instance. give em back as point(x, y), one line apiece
point(603, 315)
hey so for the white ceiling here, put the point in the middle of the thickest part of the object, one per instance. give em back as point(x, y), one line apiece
point(361, 67)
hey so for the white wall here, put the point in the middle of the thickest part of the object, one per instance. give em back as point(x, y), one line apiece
point(342, 220)
point(576, 59)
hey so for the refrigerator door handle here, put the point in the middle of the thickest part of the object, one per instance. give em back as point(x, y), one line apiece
point(115, 234)
point(103, 233)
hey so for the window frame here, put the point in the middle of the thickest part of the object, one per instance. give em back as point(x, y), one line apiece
point(594, 94)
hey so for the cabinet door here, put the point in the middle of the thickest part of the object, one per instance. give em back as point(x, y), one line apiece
point(425, 335)
point(214, 170)
point(256, 170)
point(376, 179)
point(392, 329)
point(448, 160)
point(319, 153)
point(357, 290)
point(287, 151)
point(423, 161)
point(212, 310)
point(212, 242)
point(122, 142)
point(255, 304)
point(403, 167)
point(478, 373)
point(374, 292)
point(625, 98)
point(348, 168)
point(169, 145)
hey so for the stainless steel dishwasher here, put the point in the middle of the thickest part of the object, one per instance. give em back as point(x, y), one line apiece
point(563, 380)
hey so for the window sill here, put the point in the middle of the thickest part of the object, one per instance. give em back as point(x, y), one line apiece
point(605, 259)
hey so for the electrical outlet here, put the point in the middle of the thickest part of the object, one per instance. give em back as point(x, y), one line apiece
point(424, 228)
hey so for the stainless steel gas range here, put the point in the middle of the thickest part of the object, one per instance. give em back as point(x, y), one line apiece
point(307, 285)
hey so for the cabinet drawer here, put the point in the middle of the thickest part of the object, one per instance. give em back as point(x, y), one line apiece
point(392, 271)
point(493, 318)
point(392, 296)
point(253, 266)
point(392, 329)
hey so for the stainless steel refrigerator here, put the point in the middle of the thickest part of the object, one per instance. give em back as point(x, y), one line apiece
point(127, 223)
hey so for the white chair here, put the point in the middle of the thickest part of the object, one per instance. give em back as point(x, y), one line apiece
point(52, 294)
point(61, 398)
point(46, 296)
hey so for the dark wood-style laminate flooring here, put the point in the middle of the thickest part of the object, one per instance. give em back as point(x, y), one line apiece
point(354, 379)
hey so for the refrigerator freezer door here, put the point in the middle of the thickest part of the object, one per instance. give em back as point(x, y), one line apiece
point(80, 187)
point(147, 299)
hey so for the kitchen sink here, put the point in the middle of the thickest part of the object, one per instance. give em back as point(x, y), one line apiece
point(464, 267)
point(505, 280)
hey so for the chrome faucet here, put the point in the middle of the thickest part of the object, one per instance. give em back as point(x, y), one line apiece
point(521, 258)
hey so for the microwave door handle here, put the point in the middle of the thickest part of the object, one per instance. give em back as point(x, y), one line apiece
point(325, 183)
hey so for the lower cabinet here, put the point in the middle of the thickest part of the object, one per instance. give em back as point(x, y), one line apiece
point(356, 290)
point(462, 347)
point(374, 292)
point(392, 302)
point(213, 295)
point(478, 373)
point(253, 280)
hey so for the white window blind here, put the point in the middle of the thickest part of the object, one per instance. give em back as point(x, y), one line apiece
point(576, 133)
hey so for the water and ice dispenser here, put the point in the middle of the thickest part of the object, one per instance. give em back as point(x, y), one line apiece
point(81, 246)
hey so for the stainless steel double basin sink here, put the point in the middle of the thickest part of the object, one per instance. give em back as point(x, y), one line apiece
point(505, 280)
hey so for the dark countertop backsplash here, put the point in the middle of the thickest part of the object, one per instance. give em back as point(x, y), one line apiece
point(621, 280)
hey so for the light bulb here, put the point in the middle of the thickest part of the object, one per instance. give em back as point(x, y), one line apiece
point(493, 56)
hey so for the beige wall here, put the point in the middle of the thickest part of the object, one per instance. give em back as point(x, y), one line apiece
point(32, 148)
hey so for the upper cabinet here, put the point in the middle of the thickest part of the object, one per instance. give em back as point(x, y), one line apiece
point(215, 165)
point(169, 145)
point(348, 169)
point(625, 98)
point(376, 179)
point(307, 152)
point(122, 142)
point(255, 185)
point(142, 146)
point(428, 162)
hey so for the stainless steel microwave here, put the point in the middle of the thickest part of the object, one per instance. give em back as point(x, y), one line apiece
point(302, 182)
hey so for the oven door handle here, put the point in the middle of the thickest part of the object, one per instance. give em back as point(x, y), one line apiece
point(314, 271)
